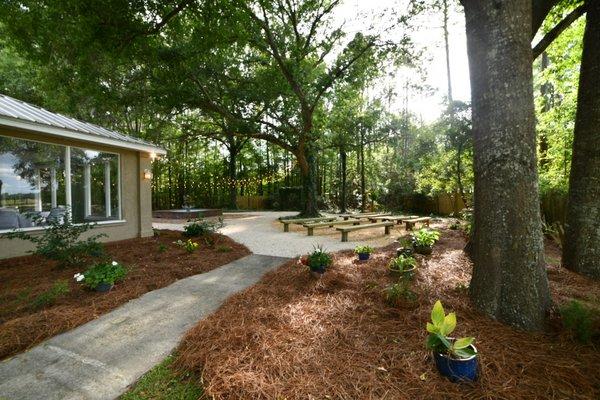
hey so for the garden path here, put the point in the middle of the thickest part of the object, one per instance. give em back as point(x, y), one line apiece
point(99, 360)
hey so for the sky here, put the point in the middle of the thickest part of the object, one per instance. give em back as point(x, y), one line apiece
point(428, 37)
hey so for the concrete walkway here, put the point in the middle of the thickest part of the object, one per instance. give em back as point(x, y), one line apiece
point(261, 235)
point(100, 359)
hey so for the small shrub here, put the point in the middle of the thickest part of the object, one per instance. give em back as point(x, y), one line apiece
point(425, 237)
point(60, 241)
point(224, 249)
point(202, 227)
point(49, 297)
point(397, 292)
point(105, 272)
point(188, 245)
point(402, 263)
point(162, 248)
point(363, 250)
point(581, 320)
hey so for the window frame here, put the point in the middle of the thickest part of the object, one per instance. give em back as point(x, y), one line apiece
point(68, 192)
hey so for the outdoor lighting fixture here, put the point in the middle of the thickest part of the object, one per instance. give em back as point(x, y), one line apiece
point(153, 156)
point(147, 174)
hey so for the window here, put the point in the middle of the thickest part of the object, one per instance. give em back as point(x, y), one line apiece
point(35, 184)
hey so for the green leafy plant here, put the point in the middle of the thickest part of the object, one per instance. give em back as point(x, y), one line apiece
point(581, 320)
point(318, 258)
point(49, 297)
point(402, 263)
point(162, 248)
point(393, 294)
point(363, 250)
point(104, 272)
point(202, 227)
point(60, 241)
point(224, 249)
point(425, 237)
point(188, 245)
point(439, 328)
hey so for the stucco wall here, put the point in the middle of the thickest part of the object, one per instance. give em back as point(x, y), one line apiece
point(136, 201)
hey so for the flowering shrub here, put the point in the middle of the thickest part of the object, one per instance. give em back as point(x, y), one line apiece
point(106, 272)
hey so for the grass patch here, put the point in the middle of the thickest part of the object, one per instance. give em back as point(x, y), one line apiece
point(162, 383)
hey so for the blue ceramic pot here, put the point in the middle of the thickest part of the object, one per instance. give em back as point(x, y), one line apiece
point(363, 256)
point(104, 287)
point(457, 370)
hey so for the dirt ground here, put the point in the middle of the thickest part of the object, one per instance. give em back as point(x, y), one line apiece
point(294, 337)
point(22, 279)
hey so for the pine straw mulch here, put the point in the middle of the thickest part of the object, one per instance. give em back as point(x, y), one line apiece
point(294, 337)
point(23, 278)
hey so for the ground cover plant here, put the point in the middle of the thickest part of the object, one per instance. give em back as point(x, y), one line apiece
point(39, 300)
point(294, 337)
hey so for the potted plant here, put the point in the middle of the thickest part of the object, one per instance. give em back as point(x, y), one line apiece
point(102, 276)
point(406, 249)
point(454, 358)
point(317, 262)
point(402, 266)
point(424, 239)
point(364, 252)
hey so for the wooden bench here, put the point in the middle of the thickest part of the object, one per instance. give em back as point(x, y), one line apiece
point(347, 229)
point(379, 215)
point(410, 223)
point(347, 216)
point(330, 224)
point(300, 221)
point(394, 218)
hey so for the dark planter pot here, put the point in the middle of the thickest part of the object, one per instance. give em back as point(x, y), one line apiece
point(404, 251)
point(317, 272)
point(425, 250)
point(104, 287)
point(364, 256)
point(457, 370)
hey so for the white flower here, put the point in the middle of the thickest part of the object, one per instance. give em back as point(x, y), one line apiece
point(114, 263)
point(79, 277)
point(76, 275)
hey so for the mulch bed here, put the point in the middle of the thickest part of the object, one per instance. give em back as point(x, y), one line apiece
point(24, 278)
point(294, 337)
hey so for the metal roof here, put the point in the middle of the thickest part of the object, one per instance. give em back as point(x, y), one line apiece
point(18, 114)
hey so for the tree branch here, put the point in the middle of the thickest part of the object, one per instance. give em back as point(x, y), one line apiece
point(540, 9)
point(557, 30)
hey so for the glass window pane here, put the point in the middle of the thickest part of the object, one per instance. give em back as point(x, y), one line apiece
point(32, 182)
point(94, 185)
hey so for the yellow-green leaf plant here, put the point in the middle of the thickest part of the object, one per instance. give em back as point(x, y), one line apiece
point(440, 327)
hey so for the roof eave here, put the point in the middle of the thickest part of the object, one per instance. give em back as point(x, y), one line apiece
point(86, 137)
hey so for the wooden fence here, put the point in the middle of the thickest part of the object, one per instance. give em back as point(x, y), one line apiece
point(251, 202)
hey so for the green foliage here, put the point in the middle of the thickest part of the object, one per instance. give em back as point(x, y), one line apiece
point(440, 327)
point(60, 241)
point(583, 321)
point(363, 250)
point(555, 231)
point(163, 382)
point(402, 263)
point(224, 249)
point(162, 248)
point(59, 289)
point(425, 237)
point(202, 227)
point(318, 258)
point(397, 292)
point(104, 272)
point(188, 245)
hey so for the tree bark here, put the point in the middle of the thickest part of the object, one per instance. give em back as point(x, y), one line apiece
point(581, 252)
point(344, 173)
point(447, 47)
point(308, 170)
point(509, 280)
point(232, 175)
point(363, 181)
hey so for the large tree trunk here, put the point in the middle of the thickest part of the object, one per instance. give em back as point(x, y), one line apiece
point(363, 180)
point(581, 251)
point(509, 280)
point(308, 171)
point(232, 175)
point(447, 47)
point(344, 173)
